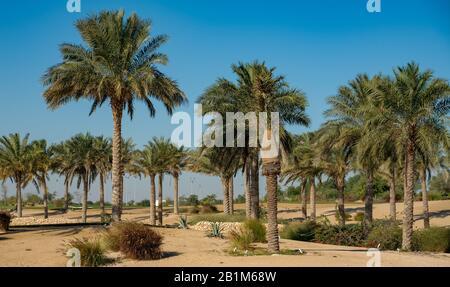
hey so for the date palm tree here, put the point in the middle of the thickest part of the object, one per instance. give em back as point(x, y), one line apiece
point(42, 162)
point(102, 161)
point(61, 165)
point(82, 165)
point(16, 163)
point(145, 163)
point(118, 65)
point(175, 166)
point(414, 103)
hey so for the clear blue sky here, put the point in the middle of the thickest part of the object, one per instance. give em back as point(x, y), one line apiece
point(317, 44)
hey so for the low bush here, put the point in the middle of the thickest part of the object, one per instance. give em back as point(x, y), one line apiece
point(92, 252)
point(257, 228)
point(207, 208)
point(303, 231)
point(434, 239)
point(134, 240)
point(350, 234)
point(241, 238)
point(359, 216)
point(386, 236)
point(5, 220)
point(348, 216)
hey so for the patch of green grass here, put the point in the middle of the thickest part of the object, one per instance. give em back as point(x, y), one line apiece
point(92, 251)
point(217, 217)
point(302, 231)
point(257, 228)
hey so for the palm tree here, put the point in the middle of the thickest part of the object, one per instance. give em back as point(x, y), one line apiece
point(82, 165)
point(176, 164)
point(61, 165)
point(102, 162)
point(118, 65)
point(414, 103)
point(145, 163)
point(16, 163)
point(42, 162)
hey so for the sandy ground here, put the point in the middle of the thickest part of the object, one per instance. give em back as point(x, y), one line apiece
point(46, 246)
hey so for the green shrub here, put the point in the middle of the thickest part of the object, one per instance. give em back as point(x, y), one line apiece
point(216, 230)
point(348, 216)
point(5, 220)
point(359, 216)
point(434, 239)
point(241, 238)
point(92, 252)
point(350, 234)
point(303, 231)
point(386, 236)
point(257, 228)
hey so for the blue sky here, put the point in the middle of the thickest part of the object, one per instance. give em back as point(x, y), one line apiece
point(317, 44)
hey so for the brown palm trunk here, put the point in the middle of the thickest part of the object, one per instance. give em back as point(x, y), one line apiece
point(160, 199)
point(408, 211)
point(392, 195)
point(303, 199)
point(117, 161)
point(226, 197)
point(19, 198)
point(271, 170)
point(85, 197)
point(423, 182)
point(66, 195)
point(254, 186)
point(340, 181)
point(248, 200)
point(152, 200)
point(312, 198)
point(175, 193)
point(368, 200)
point(102, 195)
point(231, 196)
point(45, 195)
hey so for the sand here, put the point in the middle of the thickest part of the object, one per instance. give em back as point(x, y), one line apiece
point(46, 246)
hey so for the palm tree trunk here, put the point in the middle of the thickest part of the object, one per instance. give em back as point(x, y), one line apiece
point(19, 198)
point(66, 195)
point(152, 200)
point(85, 198)
point(102, 195)
point(312, 198)
point(116, 162)
point(423, 182)
point(303, 199)
point(340, 181)
point(408, 211)
point(231, 196)
point(160, 199)
point(248, 199)
point(45, 195)
point(392, 195)
point(271, 170)
point(175, 193)
point(368, 200)
point(226, 197)
point(254, 186)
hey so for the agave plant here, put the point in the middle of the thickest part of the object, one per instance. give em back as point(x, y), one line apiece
point(183, 223)
point(216, 230)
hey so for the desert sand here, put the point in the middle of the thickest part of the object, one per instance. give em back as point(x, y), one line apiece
point(46, 246)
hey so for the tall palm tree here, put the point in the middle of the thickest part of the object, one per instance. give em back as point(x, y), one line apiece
point(413, 102)
point(42, 162)
point(82, 165)
point(117, 65)
point(175, 166)
point(16, 163)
